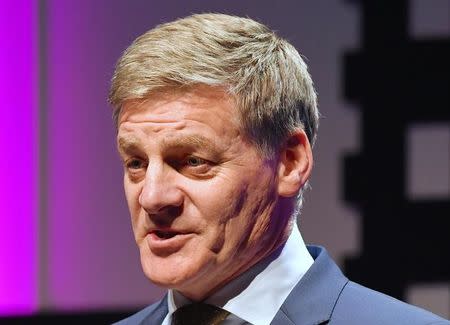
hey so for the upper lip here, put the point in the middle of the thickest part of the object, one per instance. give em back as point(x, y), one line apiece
point(164, 229)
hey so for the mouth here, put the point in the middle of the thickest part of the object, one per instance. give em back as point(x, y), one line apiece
point(163, 242)
point(165, 234)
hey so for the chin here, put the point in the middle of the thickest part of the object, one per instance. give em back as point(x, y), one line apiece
point(184, 270)
point(163, 278)
point(165, 273)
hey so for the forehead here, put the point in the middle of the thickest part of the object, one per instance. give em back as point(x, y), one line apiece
point(190, 117)
point(172, 102)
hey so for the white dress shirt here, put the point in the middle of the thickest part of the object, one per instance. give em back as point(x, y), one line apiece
point(256, 296)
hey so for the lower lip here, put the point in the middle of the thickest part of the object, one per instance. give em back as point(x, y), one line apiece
point(160, 245)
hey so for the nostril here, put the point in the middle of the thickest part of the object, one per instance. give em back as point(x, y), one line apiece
point(165, 215)
point(174, 211)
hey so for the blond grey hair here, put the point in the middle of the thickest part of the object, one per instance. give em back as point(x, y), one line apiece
point(265, 74)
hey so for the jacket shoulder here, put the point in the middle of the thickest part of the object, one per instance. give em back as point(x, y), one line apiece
point(360, 305)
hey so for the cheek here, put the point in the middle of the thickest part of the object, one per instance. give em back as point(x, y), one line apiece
point(221, 201)
point(216, 207)
point(132, 192)
point(210, 196)
point(132, 197)
point(230, 199)
point(254, 209)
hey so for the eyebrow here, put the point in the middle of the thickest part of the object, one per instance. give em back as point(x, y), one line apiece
point(188, 141)
point(129, 144)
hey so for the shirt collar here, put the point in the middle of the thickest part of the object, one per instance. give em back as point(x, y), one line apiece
point(257, 295)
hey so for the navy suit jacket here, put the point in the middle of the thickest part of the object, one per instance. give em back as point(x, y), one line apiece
point(324, 296)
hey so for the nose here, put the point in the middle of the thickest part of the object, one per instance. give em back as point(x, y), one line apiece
point(160, 196)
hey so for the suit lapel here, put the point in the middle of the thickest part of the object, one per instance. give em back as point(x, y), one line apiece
point(312, 300)
point(157, 315)
point(281, 319)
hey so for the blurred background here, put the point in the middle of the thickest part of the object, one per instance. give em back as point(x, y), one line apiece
point(380, 198)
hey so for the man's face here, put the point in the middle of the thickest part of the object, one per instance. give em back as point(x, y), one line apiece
point(200, 195)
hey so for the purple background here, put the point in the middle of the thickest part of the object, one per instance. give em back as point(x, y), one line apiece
point(81, 255)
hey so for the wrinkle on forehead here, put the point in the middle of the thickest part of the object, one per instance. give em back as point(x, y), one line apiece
point(198, 96)
point(202, 115)
point(153, 124)
point(129, 143)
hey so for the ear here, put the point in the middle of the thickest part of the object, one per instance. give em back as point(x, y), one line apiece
point(295, 164)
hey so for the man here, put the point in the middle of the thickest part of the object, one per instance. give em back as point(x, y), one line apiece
point(216, 117)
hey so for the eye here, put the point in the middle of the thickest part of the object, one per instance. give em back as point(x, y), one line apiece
point(134, 164)
point(194, 161)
